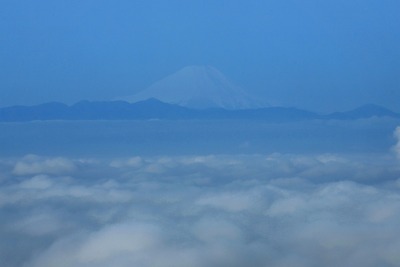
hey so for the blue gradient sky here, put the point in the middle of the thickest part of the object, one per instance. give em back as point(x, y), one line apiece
point(322, 55)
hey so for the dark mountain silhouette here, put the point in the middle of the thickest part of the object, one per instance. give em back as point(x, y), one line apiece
point(47, 111)
point(98, 110)
point(155, 109)
point(363, 112)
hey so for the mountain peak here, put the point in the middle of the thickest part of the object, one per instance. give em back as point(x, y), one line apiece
point(198, 87)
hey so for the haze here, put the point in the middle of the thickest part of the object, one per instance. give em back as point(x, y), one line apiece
point(319, 55)
point(154, 184)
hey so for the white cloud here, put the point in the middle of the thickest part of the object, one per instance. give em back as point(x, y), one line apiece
point(33, 164)
point(231, 201)
point(119, 239)
point(40, 224)
point(37, 182)
point(396, 148)
point(275, 210)
point(211, 230)
point(134, 162)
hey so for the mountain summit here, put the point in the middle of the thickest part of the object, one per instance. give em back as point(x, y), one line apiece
point(198, 87)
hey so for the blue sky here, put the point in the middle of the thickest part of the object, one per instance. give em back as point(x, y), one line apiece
point(321, 55)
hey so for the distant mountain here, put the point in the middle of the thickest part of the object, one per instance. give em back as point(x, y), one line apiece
point(47, 111)
point(199, 87)
point(363, 112)
point(99, 110)
point(155, 109)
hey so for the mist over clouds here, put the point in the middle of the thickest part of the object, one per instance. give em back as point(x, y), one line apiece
point(32, 164)
point(212, 210)
point(210, 192)
point(396, 148)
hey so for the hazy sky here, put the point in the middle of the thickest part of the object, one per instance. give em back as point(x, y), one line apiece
point(322, 55)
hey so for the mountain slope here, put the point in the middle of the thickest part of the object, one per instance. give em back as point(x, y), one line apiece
point(198, 87)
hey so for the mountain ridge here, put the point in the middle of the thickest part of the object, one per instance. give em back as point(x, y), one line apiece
point(156, 109)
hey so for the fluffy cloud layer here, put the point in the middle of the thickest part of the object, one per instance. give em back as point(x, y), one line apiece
point(396, 148)
point(32, 164)
point(259, 210)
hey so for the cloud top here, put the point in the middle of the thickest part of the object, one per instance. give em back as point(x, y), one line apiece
point(396, 148)
point(32, 164)
point(255, 210)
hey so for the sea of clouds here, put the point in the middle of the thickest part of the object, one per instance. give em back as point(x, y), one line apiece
point(214, 210)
